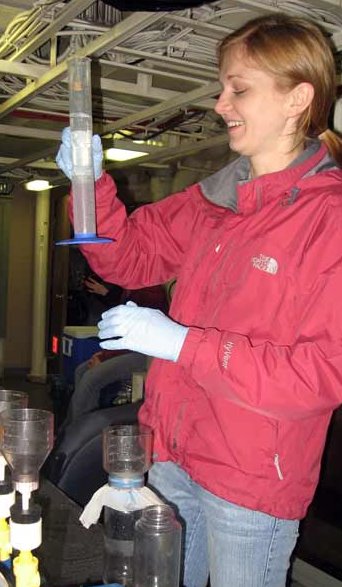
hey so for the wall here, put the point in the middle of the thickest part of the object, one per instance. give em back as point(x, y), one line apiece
point(19, 302)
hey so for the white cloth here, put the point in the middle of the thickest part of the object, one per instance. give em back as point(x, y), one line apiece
point(123, 500)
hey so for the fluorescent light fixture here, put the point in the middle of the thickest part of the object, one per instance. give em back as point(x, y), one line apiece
point(149, 142)
point(121, 134)
point(37, 185)
point(122, 154)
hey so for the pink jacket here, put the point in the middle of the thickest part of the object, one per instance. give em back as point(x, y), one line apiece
point(258, 263)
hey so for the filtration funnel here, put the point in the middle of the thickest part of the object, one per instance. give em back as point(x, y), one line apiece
point(26, 440)
point(127, 450)
point(10, 398)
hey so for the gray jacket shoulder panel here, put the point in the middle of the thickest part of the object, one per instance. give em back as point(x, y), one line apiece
point(220, 188)
point(327, 164)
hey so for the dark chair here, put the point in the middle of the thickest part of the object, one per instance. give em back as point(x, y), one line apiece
point(75, 463)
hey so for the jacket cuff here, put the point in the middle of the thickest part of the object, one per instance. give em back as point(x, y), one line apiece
point(190, 346)
point(104, 185)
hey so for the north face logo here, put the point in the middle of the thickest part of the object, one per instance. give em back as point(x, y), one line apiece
point(267, 264)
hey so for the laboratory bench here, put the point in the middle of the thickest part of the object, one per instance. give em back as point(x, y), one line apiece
point(70, 555)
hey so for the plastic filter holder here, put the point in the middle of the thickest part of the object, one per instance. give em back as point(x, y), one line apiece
point(127, 450)
point(126, 457)
point(26, 440)
point(9, 398)
point(80, 112)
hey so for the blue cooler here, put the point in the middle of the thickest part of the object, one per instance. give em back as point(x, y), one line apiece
point(79, 343)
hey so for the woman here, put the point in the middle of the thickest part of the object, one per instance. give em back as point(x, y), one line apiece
point(250, 360)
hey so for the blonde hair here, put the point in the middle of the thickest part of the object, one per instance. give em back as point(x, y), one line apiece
point(293, 50)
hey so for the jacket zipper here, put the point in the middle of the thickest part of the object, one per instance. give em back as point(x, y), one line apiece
point(277, 466)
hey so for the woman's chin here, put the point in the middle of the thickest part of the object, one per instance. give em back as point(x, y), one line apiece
point(236, 146)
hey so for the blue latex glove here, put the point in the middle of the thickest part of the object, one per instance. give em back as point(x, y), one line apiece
point(143, 330)
point(64, 156)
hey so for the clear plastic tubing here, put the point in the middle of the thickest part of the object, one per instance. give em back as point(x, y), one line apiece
point(157, 548)
point(80, 110)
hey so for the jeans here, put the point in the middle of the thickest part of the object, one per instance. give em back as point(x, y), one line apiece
point(238, 546)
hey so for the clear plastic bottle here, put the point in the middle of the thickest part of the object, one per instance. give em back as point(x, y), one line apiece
point(119, 542)
point(126, 458)
point(157, 548)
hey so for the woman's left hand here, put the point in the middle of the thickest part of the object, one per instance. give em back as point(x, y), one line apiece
point(143, 330)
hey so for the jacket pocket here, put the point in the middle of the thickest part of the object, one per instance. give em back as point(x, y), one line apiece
point(300, 446)
point(240, 438)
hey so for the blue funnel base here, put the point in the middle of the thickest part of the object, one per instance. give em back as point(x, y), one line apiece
point(85, 239)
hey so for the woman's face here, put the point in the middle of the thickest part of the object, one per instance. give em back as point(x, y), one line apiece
point(255, 111)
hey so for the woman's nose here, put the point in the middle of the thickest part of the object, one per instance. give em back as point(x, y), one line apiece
point(222, 104)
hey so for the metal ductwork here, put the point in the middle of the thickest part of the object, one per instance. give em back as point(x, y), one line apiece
point(155, 78)
point(154, 5)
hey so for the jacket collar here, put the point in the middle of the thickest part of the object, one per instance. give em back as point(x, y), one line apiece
point(231, 187)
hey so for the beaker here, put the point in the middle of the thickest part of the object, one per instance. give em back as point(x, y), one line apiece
point(157, 548)
point(127, 450)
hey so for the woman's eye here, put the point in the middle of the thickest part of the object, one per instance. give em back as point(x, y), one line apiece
point(239, 92)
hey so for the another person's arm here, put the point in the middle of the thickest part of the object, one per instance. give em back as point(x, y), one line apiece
point(109, 294)
point(101, 356)
point(95, 359)
point(94, 286)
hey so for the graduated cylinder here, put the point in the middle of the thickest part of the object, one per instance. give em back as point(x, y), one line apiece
point(80, 113)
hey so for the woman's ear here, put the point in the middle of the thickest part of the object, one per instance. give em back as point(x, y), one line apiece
point(300, 98)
